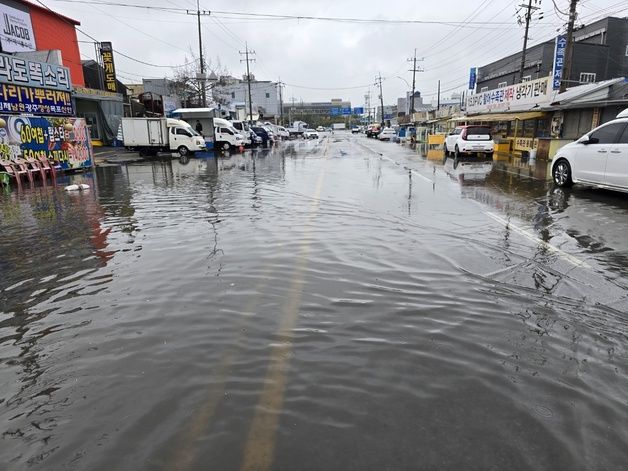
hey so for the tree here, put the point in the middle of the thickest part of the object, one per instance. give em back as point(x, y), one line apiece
point(187, 85)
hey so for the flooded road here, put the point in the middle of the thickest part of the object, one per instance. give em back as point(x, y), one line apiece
point(335, 304)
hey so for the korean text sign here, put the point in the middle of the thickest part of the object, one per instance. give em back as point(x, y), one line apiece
point(63, 140)
point(559, 60)
point(19, 71)
point(519, 97)
point(22, 99)
point(106, 51)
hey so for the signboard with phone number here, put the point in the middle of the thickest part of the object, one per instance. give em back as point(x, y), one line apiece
point(50, 137)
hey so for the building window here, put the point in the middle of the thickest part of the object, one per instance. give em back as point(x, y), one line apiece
point(527, 78)
point(232, 94)
point(267, 95)
point(587, 77)
point(483, 89)
point(502, 84)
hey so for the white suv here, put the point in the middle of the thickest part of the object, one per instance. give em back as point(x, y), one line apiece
point(600, 157)
point(468, 140)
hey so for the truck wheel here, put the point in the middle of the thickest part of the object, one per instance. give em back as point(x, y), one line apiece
point(226, 146)
point(183, 151)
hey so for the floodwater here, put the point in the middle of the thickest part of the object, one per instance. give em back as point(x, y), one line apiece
point(340, 304)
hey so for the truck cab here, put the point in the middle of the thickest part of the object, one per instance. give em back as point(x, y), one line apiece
point(225, 135)
point(183, 138)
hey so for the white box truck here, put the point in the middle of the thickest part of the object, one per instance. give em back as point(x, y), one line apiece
point(220, 133)
point(152, 135)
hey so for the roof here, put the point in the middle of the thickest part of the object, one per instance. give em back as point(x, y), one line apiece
point(50, 12)
point(585, 93)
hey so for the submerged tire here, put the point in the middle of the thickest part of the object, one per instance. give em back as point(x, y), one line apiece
point(183, 151)
point(561, 174)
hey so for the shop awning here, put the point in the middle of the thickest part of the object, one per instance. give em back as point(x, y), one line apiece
point(493, 117)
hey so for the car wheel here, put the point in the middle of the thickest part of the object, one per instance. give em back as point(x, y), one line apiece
point(445, 150)
point(489, 156)
point(183, 151)
point(457, 153)
point(561, 174)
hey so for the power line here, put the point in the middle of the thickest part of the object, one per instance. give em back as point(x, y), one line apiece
point(297, 17)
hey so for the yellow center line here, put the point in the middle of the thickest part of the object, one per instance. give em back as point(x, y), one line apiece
point(260, 446)
point(186, 452)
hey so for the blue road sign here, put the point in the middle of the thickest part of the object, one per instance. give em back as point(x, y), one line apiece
point(358, 110)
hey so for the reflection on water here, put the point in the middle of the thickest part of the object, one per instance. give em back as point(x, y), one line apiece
point(311, 306)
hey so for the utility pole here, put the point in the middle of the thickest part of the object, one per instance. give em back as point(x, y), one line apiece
point(248, 76)
point(201, 76)
point(528, 17)
point(280, 83)
point(367, 105)
point(438, 99)
point(566, 75)
point(414, 71)
point(378, 81)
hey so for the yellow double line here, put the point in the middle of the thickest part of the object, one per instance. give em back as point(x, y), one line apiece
point(259, 450)
point(260, 446)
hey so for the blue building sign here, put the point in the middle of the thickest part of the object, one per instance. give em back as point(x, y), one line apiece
point(335, 111)
point(358, 110)
point(22, 99)
point(472, 78)
point(346, 111)
point(559, 60)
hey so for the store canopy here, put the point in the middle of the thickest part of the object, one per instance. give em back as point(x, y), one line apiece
point(494, 117)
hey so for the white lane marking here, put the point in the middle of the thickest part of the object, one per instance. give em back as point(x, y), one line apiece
point(528, 235)
point(413, 171)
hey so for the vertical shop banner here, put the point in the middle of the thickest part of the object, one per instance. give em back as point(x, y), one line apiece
point(472, 78)
point(63, 140)
point(16, 31)
point(106, 51)
point(559, 60)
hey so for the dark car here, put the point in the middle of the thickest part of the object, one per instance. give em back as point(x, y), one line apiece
point(261, 132)
point(255, 139)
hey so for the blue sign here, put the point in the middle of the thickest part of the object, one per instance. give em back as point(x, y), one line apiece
point(559, 60)
point(335, 111)
point(358, 110)
point(346, 111)
point(21, 99)
point(472, 78)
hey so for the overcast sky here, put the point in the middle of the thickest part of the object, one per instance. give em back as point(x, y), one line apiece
point(320, 60)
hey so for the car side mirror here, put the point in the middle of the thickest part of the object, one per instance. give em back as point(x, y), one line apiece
point(590, 140)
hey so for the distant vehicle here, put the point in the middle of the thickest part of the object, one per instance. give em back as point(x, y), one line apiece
point(599, 158)
point(387, 134)
point(297, 129)
point(263, 133)
point(338, 126)
point(320, 129)
point(243, 129)
point(271, 134)
point(255, 139)
point(355, 130)
point(310, 134)
point(470, 140)
point(282, 132)
point(152, 135)
point(373, 130)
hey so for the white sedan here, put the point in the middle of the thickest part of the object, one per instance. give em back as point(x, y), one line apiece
point(310, 134)
point(387, 134)
point(598, 158)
